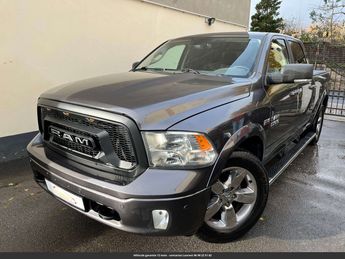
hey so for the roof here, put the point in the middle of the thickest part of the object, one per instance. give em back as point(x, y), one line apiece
point(258, 35)
point(224, 34)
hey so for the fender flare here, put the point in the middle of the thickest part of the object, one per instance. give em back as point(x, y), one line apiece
point(245, 132)
point(324, 96)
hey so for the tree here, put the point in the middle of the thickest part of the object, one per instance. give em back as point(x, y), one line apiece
point(291, 28)
point(308, 36)
point(267, 17)
point(328, 20)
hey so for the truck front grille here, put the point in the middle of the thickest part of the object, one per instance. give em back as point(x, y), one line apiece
point(81, 149)
point(119, 135)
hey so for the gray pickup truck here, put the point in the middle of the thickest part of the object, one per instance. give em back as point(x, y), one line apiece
point(188, 141)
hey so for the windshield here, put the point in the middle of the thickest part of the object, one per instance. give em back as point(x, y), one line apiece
point(228, 56)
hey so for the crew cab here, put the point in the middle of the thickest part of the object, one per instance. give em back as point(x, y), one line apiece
point(188, 141)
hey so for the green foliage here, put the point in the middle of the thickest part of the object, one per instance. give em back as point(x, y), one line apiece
point(267, 17)
point(308, 37)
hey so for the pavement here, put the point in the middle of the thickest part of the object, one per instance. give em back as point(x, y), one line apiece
point(305, 212)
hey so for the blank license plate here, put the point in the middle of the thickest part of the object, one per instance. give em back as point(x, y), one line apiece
point(66, 196)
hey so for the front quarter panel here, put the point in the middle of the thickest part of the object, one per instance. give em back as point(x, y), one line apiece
point(227, 126)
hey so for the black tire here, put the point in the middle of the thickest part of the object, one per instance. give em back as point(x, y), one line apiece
point(251, 163)
point(320, 114)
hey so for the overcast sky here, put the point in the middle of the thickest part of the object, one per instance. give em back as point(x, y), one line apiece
point(294, 9)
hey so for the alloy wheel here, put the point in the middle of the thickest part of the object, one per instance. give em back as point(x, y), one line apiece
point(232, 201)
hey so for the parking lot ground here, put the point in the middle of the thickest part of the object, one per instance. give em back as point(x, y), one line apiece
point(305, 212)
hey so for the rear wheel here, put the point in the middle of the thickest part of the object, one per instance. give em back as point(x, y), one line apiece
point(237, 201)
point(317, 125)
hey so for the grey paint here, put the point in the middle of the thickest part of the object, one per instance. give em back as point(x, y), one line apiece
point(213, 105)
point(236, 11)
point(157, 101)
point(154, 101)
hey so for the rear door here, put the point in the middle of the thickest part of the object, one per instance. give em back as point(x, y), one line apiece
point(309, 90)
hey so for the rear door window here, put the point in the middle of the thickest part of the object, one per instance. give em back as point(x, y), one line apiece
point(298, 53)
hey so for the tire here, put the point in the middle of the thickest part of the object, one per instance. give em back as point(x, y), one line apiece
point(317, 125)
point(221, 228)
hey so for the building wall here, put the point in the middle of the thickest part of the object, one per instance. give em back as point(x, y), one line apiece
point(236, 11)
point(45, 43)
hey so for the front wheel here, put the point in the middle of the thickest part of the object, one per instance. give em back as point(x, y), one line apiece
point(237, 200)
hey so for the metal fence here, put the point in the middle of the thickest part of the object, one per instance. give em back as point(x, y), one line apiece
point(336, 86)
point(331, 58)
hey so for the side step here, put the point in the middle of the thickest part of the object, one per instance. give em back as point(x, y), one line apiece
point(277, 168)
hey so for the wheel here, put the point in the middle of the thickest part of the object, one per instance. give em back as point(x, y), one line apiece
point(317, 125)
point(237, 199)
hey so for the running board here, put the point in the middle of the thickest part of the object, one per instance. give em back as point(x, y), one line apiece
point(275, 170)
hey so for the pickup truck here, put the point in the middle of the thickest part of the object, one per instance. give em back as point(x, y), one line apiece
point(188, 141)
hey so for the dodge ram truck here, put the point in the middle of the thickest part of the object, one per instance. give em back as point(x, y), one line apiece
point(188, 141)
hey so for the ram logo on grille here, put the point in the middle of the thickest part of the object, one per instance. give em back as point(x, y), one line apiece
point(71, 137)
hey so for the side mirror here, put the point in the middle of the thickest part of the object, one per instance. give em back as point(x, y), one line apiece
point(135, 64)
point(292, 72)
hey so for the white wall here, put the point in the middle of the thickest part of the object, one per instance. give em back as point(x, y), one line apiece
point(44, 43)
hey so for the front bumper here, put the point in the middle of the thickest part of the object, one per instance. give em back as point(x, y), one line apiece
point(177, 192)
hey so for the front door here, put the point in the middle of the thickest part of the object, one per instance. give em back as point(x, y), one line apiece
point(283, 97)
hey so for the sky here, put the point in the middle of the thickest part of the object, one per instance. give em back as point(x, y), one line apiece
point(294, 9)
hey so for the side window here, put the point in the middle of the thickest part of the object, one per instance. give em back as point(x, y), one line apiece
point(278, 56)
point(169, 59)
point(297, 52)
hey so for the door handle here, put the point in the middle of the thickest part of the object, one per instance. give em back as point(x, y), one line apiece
point(302, 81)
point(295, 92)
point(321, 77)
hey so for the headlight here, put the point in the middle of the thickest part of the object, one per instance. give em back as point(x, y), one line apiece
point(178, 149)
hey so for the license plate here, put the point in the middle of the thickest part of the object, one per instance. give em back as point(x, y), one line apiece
point(66, 196)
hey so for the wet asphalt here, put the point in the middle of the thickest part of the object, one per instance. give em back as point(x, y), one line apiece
point(305, 212)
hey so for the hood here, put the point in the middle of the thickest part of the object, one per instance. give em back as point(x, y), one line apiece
point(155, 101)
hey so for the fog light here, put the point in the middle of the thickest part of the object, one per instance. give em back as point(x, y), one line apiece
point(160, 219)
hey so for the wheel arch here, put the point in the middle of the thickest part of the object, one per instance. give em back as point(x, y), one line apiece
point(250, 137)
point(325, 101)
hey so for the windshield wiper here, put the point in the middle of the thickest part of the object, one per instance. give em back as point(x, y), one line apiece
point(185, 70)
point(150, 68)
point(140, 68)
point(190, 70)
